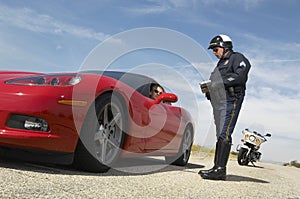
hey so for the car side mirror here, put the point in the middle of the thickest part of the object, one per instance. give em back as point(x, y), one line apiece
point(268, 135)
point(166, 98)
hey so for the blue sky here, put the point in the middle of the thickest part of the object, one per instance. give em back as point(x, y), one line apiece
point(58, 35)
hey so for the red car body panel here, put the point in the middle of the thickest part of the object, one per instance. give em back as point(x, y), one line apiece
point(146, 135)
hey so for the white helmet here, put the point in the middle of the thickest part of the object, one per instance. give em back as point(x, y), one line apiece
point(222, 41)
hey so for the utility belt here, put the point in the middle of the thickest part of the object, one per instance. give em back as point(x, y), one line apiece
point(218, 94)
point(235, 91)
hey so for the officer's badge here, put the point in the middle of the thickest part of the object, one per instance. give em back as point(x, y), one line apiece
point(226, 62)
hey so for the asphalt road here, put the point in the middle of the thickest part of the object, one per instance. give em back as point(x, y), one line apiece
point(148, 178)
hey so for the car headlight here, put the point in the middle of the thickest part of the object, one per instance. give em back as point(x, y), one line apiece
point(47, 80)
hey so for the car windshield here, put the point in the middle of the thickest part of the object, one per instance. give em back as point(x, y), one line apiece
point(139, 82)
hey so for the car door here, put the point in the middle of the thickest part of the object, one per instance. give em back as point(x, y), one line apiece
point(163, 128)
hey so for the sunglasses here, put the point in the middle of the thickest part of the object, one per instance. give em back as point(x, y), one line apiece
point(157, 92)
point(215, 50)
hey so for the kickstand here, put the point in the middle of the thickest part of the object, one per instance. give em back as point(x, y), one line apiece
point(253, 164)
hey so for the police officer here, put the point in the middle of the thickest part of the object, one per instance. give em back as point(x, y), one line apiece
point(226, 93)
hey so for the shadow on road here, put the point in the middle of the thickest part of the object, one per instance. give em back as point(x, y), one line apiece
point(255, 166)
point(123, 167)
point(147, 165)
point(243, 179)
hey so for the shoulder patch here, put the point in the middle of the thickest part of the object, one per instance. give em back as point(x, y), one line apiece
point(243, 64)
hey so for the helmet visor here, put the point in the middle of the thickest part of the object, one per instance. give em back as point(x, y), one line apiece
point(213, 45)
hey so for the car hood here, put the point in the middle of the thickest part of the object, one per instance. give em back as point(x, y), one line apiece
point(7, 75)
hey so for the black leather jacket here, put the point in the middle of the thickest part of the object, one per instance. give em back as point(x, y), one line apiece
point(231, 72)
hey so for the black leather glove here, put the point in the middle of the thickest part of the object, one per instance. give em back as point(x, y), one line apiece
point(207, 95)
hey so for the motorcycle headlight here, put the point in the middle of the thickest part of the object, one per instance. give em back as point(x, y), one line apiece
point(47, 80)
point(252, 138)
point(257, 141)
point(246, 136)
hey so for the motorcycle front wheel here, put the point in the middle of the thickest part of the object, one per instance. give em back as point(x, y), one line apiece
point(242, 157)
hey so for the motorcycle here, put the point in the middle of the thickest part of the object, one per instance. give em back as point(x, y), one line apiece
point(248, 152)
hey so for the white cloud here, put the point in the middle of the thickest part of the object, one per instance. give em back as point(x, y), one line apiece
point(148, 10)
point(278, 113)
point(161, 6)
point(269, 50)
point(281, 77)
point(272, 112)
point(274, 64)
point(247, 4)
point(179, 4)
point(28, 19)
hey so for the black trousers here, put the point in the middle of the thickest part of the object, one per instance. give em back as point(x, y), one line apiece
point(226, 112)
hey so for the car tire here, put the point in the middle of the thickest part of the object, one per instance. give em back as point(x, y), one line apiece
point(182, 158)
point(102, 135)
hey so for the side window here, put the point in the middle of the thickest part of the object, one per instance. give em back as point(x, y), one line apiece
point(144, 89)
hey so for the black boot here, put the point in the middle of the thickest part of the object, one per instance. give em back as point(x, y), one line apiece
point(219, 173)
point(218, 145)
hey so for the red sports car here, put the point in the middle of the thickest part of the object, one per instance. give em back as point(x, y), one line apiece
point(89, 119)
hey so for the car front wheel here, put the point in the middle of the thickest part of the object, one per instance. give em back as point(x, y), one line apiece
point(102, 135)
